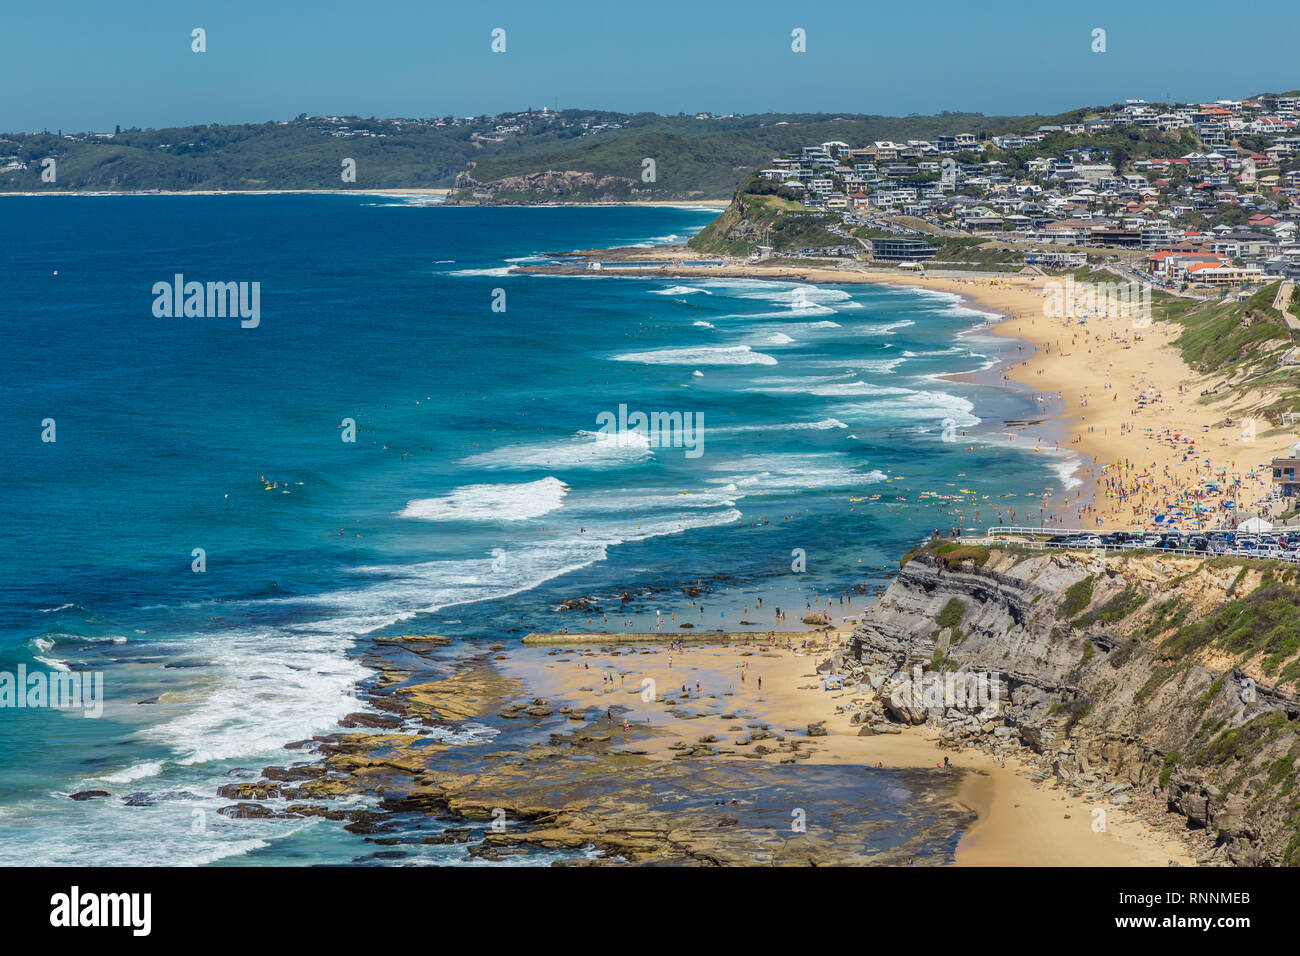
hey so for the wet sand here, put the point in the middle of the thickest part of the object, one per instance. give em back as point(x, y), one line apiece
point(1020, 823)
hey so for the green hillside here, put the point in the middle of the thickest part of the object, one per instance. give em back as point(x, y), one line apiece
point(694, 157)
point(697, 159)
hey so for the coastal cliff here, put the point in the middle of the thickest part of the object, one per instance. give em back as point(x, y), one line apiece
point(762, 213)
point(1139, 675)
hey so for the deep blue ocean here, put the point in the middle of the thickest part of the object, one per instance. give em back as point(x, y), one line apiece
point(476, 497)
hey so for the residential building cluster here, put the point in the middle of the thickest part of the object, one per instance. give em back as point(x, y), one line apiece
point(1209, 192)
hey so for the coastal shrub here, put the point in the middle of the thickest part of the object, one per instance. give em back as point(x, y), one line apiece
point(1075, 711)
point(1237, 580)
point(951, 614)
point(1172, 760)
point(1116, 609)
point(1216, 338)
point(1291, 855)
point(1168, 614)
point(1088, 651)
point(1281, 770)
point(1120, 655)
point(1159, 677)
point(1208, 695)
point(1077, 597)
point(1208, 729)
point(1239, 743)
point(1267, 622)
point(1290, 673)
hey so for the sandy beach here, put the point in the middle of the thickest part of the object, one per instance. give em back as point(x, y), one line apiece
point(661, 699)
point(1132, 411)
point(1130, 407)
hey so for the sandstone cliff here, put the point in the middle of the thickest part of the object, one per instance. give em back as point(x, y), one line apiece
point(1140, 673)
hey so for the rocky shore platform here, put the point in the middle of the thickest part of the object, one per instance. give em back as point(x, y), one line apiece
point(565, 755)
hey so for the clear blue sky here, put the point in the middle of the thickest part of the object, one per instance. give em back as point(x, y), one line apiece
point(85, 65)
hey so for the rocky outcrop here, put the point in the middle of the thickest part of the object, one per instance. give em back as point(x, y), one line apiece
point(1136, 677)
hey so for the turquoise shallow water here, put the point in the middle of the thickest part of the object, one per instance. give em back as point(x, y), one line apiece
point(477, 496)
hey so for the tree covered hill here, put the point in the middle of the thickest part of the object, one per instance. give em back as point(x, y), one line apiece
point(694, 157)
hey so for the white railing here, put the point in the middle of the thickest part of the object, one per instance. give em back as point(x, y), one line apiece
point(1292, 557)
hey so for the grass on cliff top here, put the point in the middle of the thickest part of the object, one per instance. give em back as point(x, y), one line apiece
point(950, 555)
point(763, 213)
point(1265, 622)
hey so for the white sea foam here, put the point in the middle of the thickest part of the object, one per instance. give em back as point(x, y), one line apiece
point(887, 328)
point(1065, 469)
point(139, 771)
point(966, 311)
point(857, 388)
point(909, 404)
point(498, 271)
point(863, 365)
point(928, 293)
point(705, 325)
point(647, 500)
point(699, 355)
point(796, 296)
point(504, 502)
point(824, 424)
point(389, 593)
point(795, 472)
point(585, 449)
point(827, 386)
point(264, 688)
point(806, 311)
point(681, 290)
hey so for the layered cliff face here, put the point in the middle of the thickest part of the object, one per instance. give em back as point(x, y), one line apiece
point(1173, 677)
